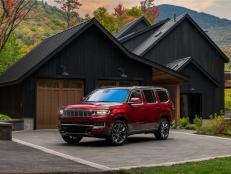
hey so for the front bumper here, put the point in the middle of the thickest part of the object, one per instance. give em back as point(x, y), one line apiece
point(88, 130)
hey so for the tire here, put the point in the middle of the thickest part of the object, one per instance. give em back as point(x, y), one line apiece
point(72, 139)
point(118, 135)
point(163, 130)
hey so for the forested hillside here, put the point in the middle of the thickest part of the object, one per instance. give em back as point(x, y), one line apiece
point(43, 21)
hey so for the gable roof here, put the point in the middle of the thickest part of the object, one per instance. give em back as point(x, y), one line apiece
point(52, 45)
point(180, 64)
point(167, 28)
point(154, 27)
point(127, 27)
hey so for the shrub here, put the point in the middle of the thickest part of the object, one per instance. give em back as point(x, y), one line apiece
point(4, 117)
point(228, 99)
point(173, 124)
point(191, 127)
point(197, 121)
point(184, 122)
point(216, 126)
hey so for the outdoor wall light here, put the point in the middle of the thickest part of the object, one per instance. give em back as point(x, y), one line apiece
point(122, 73)
point(192, 89)
point(62, 70)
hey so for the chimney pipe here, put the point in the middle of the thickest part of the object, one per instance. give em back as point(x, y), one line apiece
point(174, 17)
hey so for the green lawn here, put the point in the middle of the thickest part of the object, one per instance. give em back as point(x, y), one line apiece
point(216, 166)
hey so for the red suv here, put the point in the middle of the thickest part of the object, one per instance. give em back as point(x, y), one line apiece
point(117, 112)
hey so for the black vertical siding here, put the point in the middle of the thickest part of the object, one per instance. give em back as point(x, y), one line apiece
point(90, 57)
point(11, 101)
point(202, 85)
point(186, 41)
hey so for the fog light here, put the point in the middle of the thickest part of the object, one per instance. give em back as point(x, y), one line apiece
point(99, 124)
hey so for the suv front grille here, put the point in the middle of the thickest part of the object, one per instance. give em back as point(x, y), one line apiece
point(78, 113)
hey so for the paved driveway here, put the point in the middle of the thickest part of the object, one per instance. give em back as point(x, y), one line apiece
point(140, 150)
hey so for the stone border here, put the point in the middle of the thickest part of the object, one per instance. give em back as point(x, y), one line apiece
point(5, 131)
point(17, 124)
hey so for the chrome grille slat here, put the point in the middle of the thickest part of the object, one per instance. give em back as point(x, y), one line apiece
point(78, 113)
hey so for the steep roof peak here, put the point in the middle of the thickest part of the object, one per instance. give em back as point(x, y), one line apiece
point(163, 31)
point(129, 26)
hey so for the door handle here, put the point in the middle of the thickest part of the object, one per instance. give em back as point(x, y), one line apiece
point(157, 107)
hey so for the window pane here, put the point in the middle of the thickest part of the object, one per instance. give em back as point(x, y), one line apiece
point(163, 96)
point(108, 95)
point(48, 83)
point(135, 94)
point(149, 96)
point(72, 84)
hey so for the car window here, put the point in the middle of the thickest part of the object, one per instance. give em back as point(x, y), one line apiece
point(108, 95)
point(135, 94)
point(163, 96)
point(149, 96)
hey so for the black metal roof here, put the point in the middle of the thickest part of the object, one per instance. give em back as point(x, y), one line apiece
point(50, 46)
point(180, 64)
point(127, 27)
point(154, 27)
point(162, 31)
point(176, 65)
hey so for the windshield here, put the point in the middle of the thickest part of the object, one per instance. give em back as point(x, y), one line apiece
point(108, 95)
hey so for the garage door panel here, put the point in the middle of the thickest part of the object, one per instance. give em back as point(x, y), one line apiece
point(51, 96)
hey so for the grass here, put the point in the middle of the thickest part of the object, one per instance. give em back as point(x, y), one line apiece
point(215, 166)
point(229, 131)
point(228, 99)
point(4, 117)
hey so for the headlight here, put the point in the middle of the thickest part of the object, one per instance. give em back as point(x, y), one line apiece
point(61, 111)
point(101, 112)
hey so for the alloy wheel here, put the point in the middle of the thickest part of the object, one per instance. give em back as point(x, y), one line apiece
point(164, 129)
point(119, 133)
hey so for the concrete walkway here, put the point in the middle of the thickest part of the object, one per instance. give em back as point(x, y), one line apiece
point(17, 158)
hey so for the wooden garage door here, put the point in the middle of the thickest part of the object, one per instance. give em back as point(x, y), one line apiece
point(51, 96)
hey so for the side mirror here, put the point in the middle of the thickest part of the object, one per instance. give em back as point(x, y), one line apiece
point(82, 99)
point(135, 101)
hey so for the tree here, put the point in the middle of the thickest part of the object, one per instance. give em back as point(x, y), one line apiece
point(135, 12)
point(121, 15)
point(10, 54)
point(87, 17)
point(70, 9)
point(107, 20)
point(151, 12)
point(12, 13)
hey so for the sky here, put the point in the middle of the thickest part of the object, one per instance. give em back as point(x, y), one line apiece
point(220, 8)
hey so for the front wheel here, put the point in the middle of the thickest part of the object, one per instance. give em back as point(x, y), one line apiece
point(72, 139)
point(163, 130)
point(118, 134)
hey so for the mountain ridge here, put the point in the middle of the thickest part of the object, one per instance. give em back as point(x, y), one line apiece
point(219, 29)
